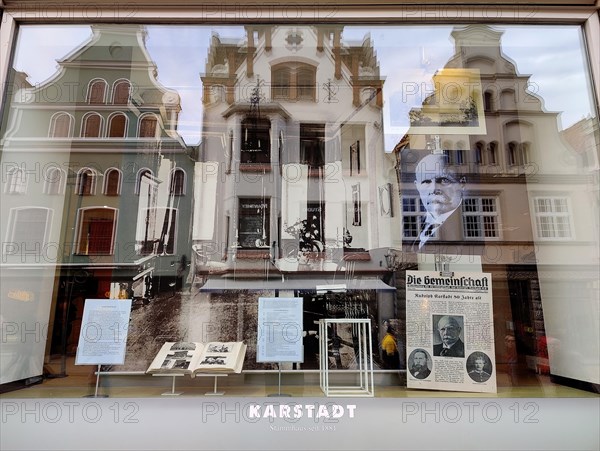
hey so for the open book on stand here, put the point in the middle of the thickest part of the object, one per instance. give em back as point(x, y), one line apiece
point(185, 357)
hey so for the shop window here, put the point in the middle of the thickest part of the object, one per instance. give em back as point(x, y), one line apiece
point(121, 92)
point(117, 126)
point(156, 231)
point(86, 182)
point(16, 181)
point(312, 145)
point(55, 180)
point(413, 216)
point(148, 126)
point(253, 230)
point(177, 182)
point(92, 126)
point(97, 92)
point(480, 217)
point(61, 125)
point(552, 218)
point(96, 230)
point(29, 228)
point(256, 140)
point(293, 82)
point(112, 182)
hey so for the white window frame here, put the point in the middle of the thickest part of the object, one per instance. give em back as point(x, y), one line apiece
point(482, 214)
point(537, 215)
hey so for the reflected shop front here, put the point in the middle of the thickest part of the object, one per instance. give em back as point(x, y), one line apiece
point(440, 182)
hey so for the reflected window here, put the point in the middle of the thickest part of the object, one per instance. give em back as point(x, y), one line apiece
point(480, 217)
point(177, 182)
point(16, 181)
point(312, 145)
point(29, 228)
point(156, 231)
point(293, 81)
point(256, 140)
point(143, 174)
point(121, 92)
point(254, 223)
point(492, 152)
point(148, 127)
point(86, 182)
point(117, 126)
point(61, 125)
point(488, 101)
point(479, 153)
point(552, 217)
point(112, 182)
point(54, 181)
point(97, 92)
point(96, 230)
point(413, 216)
point(92, 125)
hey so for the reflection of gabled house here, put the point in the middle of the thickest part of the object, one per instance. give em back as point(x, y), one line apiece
point(292, 159)
point(527, 203)
point(99, 181)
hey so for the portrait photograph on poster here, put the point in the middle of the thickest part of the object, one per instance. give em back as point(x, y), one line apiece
point(449, 331)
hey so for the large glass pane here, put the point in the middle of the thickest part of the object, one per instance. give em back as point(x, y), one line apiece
point(320, 162)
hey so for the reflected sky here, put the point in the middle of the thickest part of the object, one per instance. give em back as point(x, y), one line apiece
point(552, 55)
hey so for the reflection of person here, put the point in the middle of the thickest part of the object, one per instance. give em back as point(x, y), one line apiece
point(478, 374)
point(391, 356)
point(419, 367)
point(440, 189)
point(451, 345)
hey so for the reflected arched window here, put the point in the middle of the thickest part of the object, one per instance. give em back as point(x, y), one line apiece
point(16, 181)
point(524, 153)
point(117, 126)
point(306, 83)
point(97, 92)
point(92, 124)
point(508, 100)
point(177, 183)
point(293, 81)
point(96, 230)
point(479, 152)
point(513, 153)
point(148, 127)
point(488, 101)
point(121, 92)
point(61, 125)
point(54, 181)
point(112, 182)
point(143, 175)
point(492, 153)
point(86, 182)
point(281, 83)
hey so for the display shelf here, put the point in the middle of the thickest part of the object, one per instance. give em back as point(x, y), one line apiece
point(364, 387)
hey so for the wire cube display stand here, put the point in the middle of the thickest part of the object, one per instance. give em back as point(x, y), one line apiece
point(364, 387)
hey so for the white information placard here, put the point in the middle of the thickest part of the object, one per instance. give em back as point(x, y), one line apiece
point(279, 330)
point(450, 331)
point(103, 334)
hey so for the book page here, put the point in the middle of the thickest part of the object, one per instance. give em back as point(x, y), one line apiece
point(176, 357)
point(220, 357)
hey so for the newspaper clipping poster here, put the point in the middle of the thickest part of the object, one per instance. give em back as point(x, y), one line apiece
point(450, 331)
